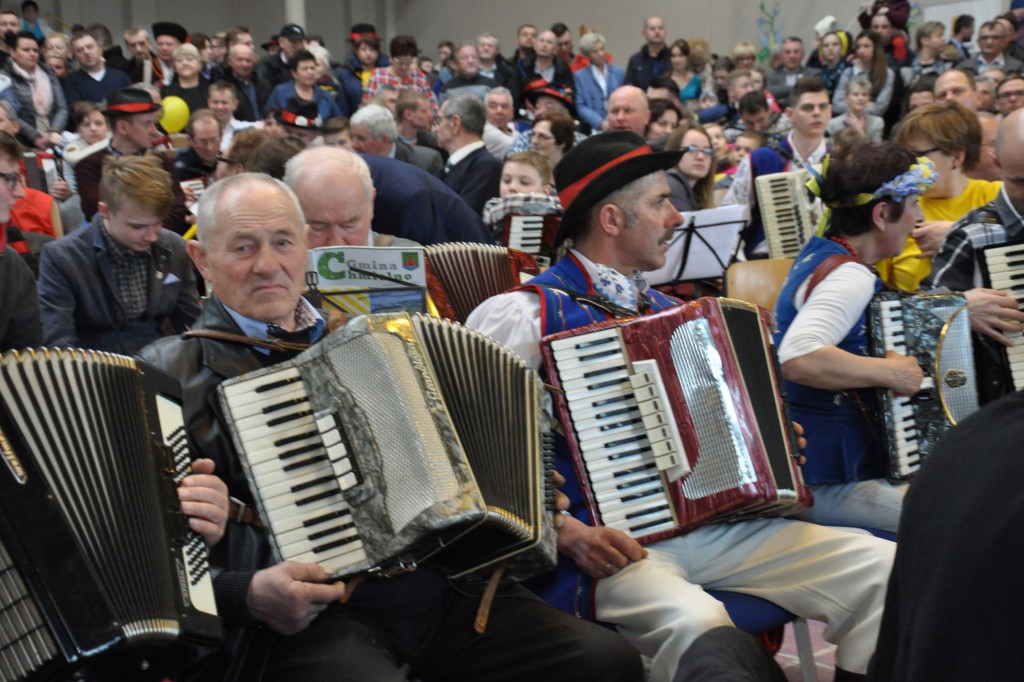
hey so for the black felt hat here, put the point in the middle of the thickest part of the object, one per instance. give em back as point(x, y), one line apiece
point(169, 28)
point(130, 101)
point(598, 166)
point(300, 114)
point(538, 88)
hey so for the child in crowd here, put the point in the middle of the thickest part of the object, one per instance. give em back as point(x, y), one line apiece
point(525, 190)
point(858, 101)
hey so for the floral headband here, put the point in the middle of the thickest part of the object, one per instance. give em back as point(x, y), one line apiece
point(916, 180)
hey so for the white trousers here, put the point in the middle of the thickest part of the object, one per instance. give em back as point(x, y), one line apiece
point(875, 503)
point(828, 574)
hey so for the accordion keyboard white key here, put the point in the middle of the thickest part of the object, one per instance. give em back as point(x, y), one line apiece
point(1006, 273)
point(611, 422)
point(906, 434)
point(301, 466)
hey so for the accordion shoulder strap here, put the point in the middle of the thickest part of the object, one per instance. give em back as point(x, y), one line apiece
point(269, 344)
point(824, 268)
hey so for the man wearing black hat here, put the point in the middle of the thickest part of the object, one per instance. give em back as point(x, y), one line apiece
point(543, 98)
point(301, 119)
point(275, 67)
point(168, 36)
point(133, 119)
point(613, 190)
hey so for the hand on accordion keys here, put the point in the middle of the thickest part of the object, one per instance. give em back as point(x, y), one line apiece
point(994, 313)
point(597, 550)
point(204, 499)
point(289, 595)
point(905, 374)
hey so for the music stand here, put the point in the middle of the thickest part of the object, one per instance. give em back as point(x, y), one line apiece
point(702, 247)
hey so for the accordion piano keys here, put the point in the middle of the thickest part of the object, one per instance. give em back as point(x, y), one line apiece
point(906, 436)
point(298, 462)
point(613, 438)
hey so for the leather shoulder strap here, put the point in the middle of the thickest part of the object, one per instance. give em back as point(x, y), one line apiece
point(269, 344)
point(824, 268)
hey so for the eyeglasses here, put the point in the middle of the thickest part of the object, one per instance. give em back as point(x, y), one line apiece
point(407, 61)
point(925, 152)
point(541, 136)
point(223, 159)
point(1009, 94)
point(12, 180)
point(694, 149)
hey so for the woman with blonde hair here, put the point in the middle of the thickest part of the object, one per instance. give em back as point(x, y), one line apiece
point(949, 134)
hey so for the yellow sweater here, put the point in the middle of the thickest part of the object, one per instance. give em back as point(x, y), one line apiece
point(906, 270)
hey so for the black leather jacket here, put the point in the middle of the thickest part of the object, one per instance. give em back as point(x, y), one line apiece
point(201, 365)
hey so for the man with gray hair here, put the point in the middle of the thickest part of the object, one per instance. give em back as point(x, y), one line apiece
point(492, 64)
point(472, 172)
point(335, 190)
point(252, 247)
point(374, 131)
point(595, 81)
point(499, 129)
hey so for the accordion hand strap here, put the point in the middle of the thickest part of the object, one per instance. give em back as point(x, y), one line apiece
point(269, 344)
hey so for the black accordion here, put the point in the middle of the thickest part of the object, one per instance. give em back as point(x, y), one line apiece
point(677, 419)
point(1002, 267)
point(935, 329)
point(396, 440)
point(95, 557)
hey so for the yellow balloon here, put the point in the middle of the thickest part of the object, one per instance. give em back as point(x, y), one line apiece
point(175, 116)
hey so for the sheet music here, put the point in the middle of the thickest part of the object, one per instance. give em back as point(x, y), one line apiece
point(715, 238)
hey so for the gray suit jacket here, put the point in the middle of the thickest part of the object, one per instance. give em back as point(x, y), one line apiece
point(421, 157)
point(776, 82)
point(1010, 65)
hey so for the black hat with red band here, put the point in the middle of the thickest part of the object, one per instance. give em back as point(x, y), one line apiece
point(130, 101)
point(598, 166)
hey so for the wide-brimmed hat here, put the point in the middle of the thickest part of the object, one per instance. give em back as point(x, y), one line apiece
point(536, 89)
point(130, 101)
point(169, 28)
point(598, 166)
point(300, 114)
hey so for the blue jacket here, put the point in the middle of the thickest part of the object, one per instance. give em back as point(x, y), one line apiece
point(350, 96)
point(80, 303)
point(591, 102)
point(326, 105)
point(413, 204)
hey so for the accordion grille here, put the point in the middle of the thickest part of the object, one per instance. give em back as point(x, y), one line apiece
point(78, 414)
point(723, 460)
point(388, 390)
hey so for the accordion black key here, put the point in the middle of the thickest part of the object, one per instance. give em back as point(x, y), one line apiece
point(96, 556)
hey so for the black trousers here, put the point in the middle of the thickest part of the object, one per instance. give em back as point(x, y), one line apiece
point(420, 626)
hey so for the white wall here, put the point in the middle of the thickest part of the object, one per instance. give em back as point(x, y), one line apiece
point(722, 22)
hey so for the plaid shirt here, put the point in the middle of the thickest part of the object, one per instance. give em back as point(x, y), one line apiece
point(131, 274)
point(956, 265)
point(414, 81)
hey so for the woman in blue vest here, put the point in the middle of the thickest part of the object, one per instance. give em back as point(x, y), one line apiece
point(871, 192)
